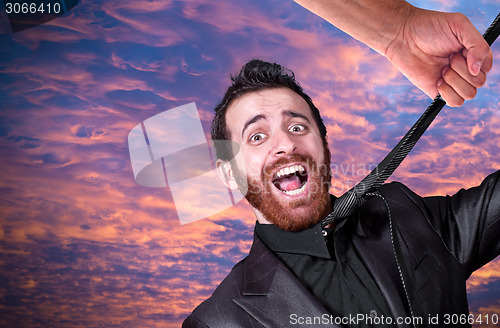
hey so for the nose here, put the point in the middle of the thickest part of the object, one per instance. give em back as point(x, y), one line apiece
point(284, 144)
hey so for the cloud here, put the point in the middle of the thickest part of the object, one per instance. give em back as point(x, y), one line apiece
point(85, 246)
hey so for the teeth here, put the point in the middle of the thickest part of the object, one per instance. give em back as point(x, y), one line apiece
point(290, 170)
point(296, 191)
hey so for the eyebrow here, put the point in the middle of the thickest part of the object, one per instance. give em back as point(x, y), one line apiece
point(252, 121)
point(291, 113)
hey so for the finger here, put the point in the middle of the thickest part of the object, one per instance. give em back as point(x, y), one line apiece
point(477, 62)
point(458, 64)
point(487, 63)
point(449, 95)
point(463, 88)
point(479, 56)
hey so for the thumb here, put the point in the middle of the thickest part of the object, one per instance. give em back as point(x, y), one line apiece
point(476, 49)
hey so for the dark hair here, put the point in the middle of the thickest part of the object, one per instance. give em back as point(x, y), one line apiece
point(254, 76)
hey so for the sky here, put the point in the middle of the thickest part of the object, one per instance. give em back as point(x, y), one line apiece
point(83, 245)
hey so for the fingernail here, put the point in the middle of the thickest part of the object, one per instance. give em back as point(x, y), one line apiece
point(445, 69)
point(440, 82)
point(476, 66)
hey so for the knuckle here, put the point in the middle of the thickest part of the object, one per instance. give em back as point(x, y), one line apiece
point(480, 80)
point(456, 103)
point(457, 60)
point(453, 101)
point(488, 62)
point(447, 74)
point(470, 93)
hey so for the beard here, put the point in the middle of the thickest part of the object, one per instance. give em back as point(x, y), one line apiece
point(293, 215)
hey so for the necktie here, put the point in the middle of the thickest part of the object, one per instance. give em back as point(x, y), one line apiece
point(347, 204)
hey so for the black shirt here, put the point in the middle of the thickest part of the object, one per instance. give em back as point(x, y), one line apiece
point(327, 264)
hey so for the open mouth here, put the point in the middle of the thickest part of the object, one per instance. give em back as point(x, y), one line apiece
point(291, 180)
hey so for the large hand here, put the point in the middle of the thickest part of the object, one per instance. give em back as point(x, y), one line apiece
point(441, 53)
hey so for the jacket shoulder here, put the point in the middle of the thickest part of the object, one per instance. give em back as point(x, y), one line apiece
point(219, 310)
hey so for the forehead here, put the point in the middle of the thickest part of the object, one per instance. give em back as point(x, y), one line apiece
point(270, 103)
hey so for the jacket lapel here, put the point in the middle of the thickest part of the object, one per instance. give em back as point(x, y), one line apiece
point(381, 264)
point(273, 295)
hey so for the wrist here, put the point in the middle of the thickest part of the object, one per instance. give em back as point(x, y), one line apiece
point(391, 32)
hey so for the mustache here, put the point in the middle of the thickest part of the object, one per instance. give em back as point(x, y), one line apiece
point(268, 170)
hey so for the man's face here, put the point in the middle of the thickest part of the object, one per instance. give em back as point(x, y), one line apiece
point(287, 164)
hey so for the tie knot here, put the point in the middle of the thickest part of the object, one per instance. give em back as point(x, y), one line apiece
point(343, 207)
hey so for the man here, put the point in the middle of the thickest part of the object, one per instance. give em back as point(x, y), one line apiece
point(296, 270)
point(400, 260)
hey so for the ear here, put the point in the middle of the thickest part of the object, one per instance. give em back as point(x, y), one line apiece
point(225, 172)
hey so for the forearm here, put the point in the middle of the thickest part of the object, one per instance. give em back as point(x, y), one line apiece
point(469, 222)
point(376, 23)
point(420, 43)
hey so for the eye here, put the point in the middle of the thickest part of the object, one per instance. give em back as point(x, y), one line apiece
point(257, 137)
point(296, 128)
